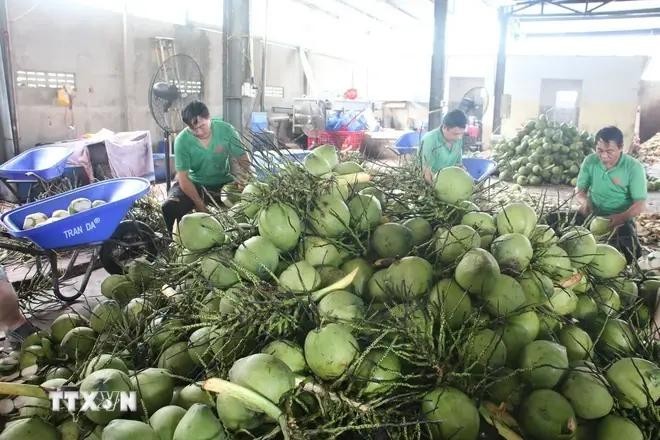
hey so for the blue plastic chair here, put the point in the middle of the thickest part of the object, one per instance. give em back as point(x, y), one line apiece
point(258, 122)
point(408, 142)
point(479, 169)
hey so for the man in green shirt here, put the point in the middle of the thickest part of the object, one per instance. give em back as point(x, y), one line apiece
point(207, 155)
point(443, 147)
point(613, 185)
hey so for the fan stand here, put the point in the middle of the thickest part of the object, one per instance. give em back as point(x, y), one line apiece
point(168, 170)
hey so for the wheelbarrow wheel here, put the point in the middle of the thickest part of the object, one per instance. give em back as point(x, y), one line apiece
point(131, 239)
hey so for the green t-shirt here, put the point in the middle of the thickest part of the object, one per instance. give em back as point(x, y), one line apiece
point(437, 154)
point(612, 191)
point(208, 166)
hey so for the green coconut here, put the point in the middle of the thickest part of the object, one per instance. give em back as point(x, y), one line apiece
point(69, 430)
point(455, 415)
point(421, 229)
point(103, 381)
point(410, 277)
point(104, 361)
point(483, 223)
point(476, 270)
point(329, 275)
point(366, 212)
point(330, 216)
point(264, 374)
point(258, 256)
point(376, 192)
point(516, 217)
point(378, 372)
point(415, 318)
point(234, 414)
point(162, 332)
point(105, 315)
point(348, 167)
point(513, 252)
point(155, 387)
point(537, 287)
point(586, 309)
point(199, 422)
point(217, 272)
point(137, 310)
point(127, 429)
point(542, 236)
point(165, 420)
point(544, 363)
point(330, 350)
point(617, 338)
point(453, 243)
point(518, 331)
point(177, 359)
point(77, 344)
point(364, 272)
point(378, 287)
point(607, 299)
point(59, 373)
point(580, 245)
point(199, 343)
point(555, 262)
point(318, 251)
point(63, 324)
point(392, 240)
point(288, 352)
point(29, 406)
point(582, 285)
point(548, 326)
point(608, 262)
point(453, 184)
point(300, 277)
point(627, 290)
point(281, 225)
point(648, 290)
point(199, 231)
point(636, 381)
point(614, 427)
point(504, 296)
point(547, 415)
point(192, 394)
point(600, 226)
point(250, 196)
point(341, 305)
point(141, 271)
point(578, 343)
point(120, 288)
point(485, 349)
point(28, 429)
point(450, 301)
point(505, 388)
point(562, 301)
point(588, 394)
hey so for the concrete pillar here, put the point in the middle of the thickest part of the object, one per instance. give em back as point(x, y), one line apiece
point(500, 71)
point(236, 62)
point(438, 64)
point(8, 119)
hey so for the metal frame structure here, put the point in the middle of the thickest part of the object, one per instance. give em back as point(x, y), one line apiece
point(560, 10)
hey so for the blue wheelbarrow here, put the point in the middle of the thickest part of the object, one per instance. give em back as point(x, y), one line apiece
point(36, 166)
point(101, 228)
point(270, 161)
point(479, 169)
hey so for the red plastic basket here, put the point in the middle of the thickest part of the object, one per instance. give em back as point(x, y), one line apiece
point(343, 140)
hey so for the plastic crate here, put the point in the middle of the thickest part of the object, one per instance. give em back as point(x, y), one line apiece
point(92, 226)
point(343, 140)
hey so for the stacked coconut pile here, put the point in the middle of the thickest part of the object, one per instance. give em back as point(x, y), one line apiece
point(328, 302)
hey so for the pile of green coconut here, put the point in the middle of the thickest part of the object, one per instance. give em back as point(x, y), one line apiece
point(332, 301)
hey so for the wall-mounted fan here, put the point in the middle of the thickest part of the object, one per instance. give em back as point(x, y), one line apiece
point(177, 82)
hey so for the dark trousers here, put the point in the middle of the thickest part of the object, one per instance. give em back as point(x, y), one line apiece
point(624, 238)
point(179, 204)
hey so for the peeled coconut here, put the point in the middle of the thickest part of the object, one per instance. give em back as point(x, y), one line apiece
point(330, 216)
point(452, 243)
point(588, 394)
point(97, 203)
point(264, 374)
point(258, 256)
point(378, 372)
point(364, 272)
point(154, 387)
point(79, 205)
point(448, 299)
point(366, 212)
point(484, 349)
point(516, 217)
point(199, 231)
point(105, 315)
point(636, 381)
point(608, 262)
point(330, 350)
point(456, 414)
point(453, 184)
point(165, 420)
point(59, 214)
point(504, 295)
point(476, 270)
point(341, 305)
point(199, 422)
point(63, 324)
point(288, 352)
point(391, 240)
point(547, 415)
point(280, 224)
point(104, 381)
point(545, 362)
point(578, 343)
point(513, 252)
point(300, 277)
point(580, 245)
point(420, 228)
point(410, 277)
point(600, 226)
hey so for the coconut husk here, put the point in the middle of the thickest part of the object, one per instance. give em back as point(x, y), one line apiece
point(648, 229)
point(649, 151)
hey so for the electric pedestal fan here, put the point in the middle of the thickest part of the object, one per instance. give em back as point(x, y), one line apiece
point(177, 82)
